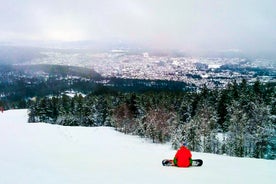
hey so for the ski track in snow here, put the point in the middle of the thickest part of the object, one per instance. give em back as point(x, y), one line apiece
point(39, 153)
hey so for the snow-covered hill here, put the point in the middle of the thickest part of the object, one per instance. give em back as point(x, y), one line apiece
point(50, 154)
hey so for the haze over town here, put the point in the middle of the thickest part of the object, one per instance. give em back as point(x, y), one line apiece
point(196, 27)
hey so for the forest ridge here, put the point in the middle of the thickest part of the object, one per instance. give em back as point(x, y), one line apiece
point(238, 120)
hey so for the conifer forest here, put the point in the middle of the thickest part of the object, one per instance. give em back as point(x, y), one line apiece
point(239, 120)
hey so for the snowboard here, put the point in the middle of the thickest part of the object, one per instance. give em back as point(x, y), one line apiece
point(196, 162)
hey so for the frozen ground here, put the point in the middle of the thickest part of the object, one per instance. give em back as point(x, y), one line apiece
point(50, 154)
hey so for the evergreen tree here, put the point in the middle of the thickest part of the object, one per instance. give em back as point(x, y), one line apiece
point(32, 113)
point(222, 109)
point(192, 135)
point(42, 110)
point(178, 135)
point(185, 112)
point(237, 130)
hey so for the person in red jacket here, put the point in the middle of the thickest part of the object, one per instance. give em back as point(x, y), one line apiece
point(183, 157)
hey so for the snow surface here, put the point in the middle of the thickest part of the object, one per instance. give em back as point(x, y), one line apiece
point(50, 154)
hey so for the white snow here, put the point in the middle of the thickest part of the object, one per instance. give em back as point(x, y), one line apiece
point(51, 154)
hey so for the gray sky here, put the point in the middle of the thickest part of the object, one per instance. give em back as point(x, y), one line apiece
point(193, 25)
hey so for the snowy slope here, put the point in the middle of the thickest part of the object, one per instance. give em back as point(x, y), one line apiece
point(51, 154)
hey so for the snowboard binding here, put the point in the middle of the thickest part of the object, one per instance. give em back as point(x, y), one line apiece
point(195, 162)
point(167, 162)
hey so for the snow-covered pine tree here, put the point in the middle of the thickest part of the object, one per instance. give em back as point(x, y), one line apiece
point(177, 136)
point(237, 130)
point(32, 111)
point(178, 132)
point(63, 107)
point(86, 110)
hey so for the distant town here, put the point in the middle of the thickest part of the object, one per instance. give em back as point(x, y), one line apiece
point(210, 71)
point(28, 72)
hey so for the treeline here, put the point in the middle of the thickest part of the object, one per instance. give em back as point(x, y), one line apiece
point(239, 120)
point(21, 82)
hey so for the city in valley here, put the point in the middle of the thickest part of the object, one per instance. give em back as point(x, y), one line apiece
point(210, 71)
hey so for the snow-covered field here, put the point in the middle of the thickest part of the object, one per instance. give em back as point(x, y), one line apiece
point(51, 154)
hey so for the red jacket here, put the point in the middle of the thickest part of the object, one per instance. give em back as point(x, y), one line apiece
point(182, 157)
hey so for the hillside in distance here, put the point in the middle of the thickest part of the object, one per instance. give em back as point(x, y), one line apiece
point(146, 64)
point(18, 83)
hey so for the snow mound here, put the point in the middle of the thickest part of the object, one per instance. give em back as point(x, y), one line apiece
point(51, 154)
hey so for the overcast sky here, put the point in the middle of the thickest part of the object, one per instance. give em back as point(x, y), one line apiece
point(238, 25)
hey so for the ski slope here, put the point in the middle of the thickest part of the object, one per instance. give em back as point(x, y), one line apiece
point(51, 154)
